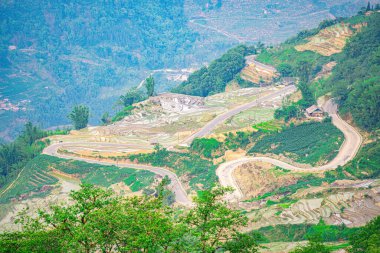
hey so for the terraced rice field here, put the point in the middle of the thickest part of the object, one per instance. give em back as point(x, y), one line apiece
point(33, 180)
point(256, 74)
point(328, 41)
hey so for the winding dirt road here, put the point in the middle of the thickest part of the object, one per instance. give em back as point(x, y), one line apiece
point(207, 129)
point(175, 186)
point(347, 152)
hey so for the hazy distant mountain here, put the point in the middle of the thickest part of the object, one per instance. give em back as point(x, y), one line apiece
point(55, 54)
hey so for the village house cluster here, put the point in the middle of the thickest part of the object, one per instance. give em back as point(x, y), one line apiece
point(7, 105)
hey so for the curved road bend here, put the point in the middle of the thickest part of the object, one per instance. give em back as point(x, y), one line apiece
point(175, 185)
point(207, 129)
point(347, 152)
point(177, 188)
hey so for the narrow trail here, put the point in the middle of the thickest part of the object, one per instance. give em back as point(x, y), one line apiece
point(347, 152)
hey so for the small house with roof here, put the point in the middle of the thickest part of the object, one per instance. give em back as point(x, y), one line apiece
point(314, 111)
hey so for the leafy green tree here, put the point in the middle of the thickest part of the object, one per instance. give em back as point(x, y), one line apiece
point(149, 85)
point(303, 71)
point(314, 245)
point(98, 221)
point(307, 95)
point(367, 239)
point(79, 116)
point(368, 6)
point(213, 223)
point(106, 119)
point(205, 147)
point(242, 243)
point(214, 78)
point(285, 69)
point(132, 96)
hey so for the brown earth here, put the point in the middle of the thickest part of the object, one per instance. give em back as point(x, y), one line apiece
point(257, 178)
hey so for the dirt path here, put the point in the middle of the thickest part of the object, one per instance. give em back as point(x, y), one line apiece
point(347, 152)
point(175, 185)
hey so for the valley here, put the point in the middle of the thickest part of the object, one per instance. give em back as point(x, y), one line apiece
point(277, 146)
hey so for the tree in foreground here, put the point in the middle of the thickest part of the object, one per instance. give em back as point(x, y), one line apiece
point(216, 226)
point(367, 239)
point(314, 245)
point(79, 116)
point(98, 221)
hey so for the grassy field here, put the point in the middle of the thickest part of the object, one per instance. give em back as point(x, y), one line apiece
point(306, 143)
point(246, 119)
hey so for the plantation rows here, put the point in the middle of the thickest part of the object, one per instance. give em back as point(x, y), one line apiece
point(306, 143)
point(32, 178)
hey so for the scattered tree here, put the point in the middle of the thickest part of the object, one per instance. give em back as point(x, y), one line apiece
point(149, 85)
point(106, 119)
point(132, 96)
point(79, 116)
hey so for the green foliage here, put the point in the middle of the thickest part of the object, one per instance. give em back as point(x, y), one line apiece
point(355, 79)
point(214, 78)
point(79, 116)
point(268, 126)
point(199, 170)
point(301, 232)
point(298, 142)
point(205, 147)
point(213, 223)
point(34, 180)
point(285, 69)
point(238, 140)
point(105, 119)
point(287, 59)
point(132, 96)
point(15, 155)
point(288, 112)
point(97, 221)
point(126, 111)
point(367, 239)
point(77, 62)
point(149, 85)
point(312, 247)
point(366, 163)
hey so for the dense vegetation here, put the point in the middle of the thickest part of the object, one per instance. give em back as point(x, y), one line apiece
point(354, 81)
point(301, 232)
point(79, 116)
point(14, 156)
point(214, 78)
point(200, 171)
point(310, 142)
point(98, 221)
point(85, 52)
point(356, 78)
point(306, 143)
